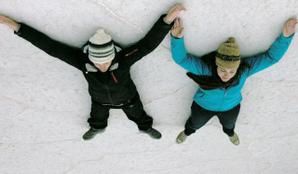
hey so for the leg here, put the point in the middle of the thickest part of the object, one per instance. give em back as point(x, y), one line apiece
point(198, 118)
point(99, 116)
point(228, 120)
point(97, 121)
point(136, 113)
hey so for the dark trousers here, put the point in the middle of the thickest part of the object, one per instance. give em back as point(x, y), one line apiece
point(133, 109)
point(200, 116)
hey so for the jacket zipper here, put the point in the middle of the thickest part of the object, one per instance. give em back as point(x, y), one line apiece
point(223, 97)
point(225, 92)
point(109, 94)
point(114, 77)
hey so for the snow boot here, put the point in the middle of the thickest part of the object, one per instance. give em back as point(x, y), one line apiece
point(153, 133)
point(181, 137)
point(234, 139)
point(91, 133)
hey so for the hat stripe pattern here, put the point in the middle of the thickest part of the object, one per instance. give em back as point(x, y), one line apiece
point(228, 58)
point(102, 50)
point(102, 55)
point(228, 54)
point(101, 47)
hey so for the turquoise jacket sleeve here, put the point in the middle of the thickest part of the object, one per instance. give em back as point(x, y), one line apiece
point(188, 62)
point(271, 56)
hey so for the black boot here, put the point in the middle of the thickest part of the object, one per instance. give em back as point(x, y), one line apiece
point(153, 133)
point(91, 133)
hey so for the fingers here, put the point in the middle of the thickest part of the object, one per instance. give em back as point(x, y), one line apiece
point(177, 23)
point(177, 28)
point(177, 7)
point(173, 13)
point(290, 27)
point(292, 20)
point(9, 22)
point(2, 19)
point(181, 31)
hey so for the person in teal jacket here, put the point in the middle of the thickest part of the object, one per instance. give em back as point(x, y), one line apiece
point(221, 76)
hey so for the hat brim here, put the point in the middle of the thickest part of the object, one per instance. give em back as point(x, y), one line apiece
point(227, 64)
point(101, 60)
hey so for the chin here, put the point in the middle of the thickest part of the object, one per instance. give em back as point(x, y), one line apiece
point(225, 80)
point(102, 70)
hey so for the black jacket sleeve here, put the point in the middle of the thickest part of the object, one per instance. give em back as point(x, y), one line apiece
point(146, 45)
point(68, 54)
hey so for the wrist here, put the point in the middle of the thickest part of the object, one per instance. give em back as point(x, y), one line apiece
point(287, 35)
point(166, 20)
point(175, 37)
point(16, 27)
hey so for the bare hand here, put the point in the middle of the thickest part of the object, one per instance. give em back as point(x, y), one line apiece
point(177, 29)
point(173, 13)
point(9, 22)
point(289, 27)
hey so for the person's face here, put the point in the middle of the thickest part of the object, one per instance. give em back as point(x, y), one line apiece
point(226, 74)
point(103, 67)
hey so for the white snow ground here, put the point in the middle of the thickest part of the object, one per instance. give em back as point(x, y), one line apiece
point(45, 104)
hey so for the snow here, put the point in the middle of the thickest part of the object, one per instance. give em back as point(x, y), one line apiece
point(45, 104)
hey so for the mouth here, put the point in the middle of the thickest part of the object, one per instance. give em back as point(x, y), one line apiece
point(225, 79)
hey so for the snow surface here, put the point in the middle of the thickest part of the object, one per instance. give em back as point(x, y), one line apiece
point(45, 104)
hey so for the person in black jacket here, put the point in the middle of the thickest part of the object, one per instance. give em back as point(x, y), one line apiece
point(106, 68)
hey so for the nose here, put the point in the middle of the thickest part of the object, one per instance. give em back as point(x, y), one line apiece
point(226, 75)
point(102, 66)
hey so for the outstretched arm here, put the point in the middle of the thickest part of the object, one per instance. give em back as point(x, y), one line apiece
point(68, 54)
point(276, 51)
point(153, 38)
point(188, 62)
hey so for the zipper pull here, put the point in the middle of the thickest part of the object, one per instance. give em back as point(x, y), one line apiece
point(225, 94)
point(114, 77)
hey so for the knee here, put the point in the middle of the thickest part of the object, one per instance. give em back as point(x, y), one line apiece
point(194, 124)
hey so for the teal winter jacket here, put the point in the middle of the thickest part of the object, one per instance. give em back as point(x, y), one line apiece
point(223, 99)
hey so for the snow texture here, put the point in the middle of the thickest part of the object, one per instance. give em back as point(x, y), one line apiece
point(45, 104)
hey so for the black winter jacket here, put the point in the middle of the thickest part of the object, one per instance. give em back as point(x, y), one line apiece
point(114, 86)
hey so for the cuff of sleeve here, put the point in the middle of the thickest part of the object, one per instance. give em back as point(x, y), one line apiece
point(176, 38)
point(286, 38)
point(162, 18)
point(19, 32)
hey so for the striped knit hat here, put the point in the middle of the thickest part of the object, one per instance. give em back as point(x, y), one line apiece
point(228, 54)
point(101, 47)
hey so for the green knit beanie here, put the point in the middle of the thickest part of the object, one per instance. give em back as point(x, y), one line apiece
point(228, 54)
